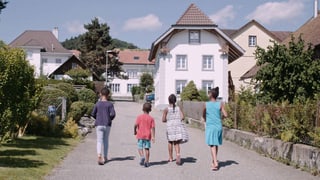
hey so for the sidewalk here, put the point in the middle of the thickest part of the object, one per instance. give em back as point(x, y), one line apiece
point(235, 162)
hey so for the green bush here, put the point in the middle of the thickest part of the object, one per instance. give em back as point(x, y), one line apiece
point(89, 106)
point(70, 129)
point(87, 95)
point(77, 110)
point(190, 93)
point(68, 89)
point(203, 95)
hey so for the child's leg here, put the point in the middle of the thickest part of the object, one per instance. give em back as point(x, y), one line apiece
point(106, 142)
point(147, 155)
point(170, 149)
point(99, 130)
point(177, 149)
point(140, 151)
point(214, 156)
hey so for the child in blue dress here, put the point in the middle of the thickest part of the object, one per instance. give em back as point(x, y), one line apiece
point(213, 132)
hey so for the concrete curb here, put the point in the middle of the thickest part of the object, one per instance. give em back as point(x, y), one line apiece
point(298, 155)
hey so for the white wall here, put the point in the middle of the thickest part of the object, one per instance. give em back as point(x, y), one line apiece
point(179, 45)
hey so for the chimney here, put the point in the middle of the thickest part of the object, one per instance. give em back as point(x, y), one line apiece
point(315, 8)
point(55, 32)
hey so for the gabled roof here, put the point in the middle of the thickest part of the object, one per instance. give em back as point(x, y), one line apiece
point(310, 32)
point(134, 56)
point(194, 16)
point(44, 39)
point(279, 36)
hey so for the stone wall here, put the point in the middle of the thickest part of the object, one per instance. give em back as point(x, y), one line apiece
point(298, 155)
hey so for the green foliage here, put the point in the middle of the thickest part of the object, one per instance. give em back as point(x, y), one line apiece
point(69, 90)
point(78, 75)
point(135, 90)
point(190, 93)
point(287, 73)
point(17, 90)
point(146, 83)
point(94, 45)
point(77, 110)
point(39, 125)
point(51, 96)
point(203, 95)
point(70, 129)
point(122, 44)
point(89, 106)
point(3, 4)
point(87, 95)
point(2, 44)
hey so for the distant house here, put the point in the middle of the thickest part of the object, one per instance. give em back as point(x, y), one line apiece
point(135, 63)
point(43, 50)
point(310, 33)
point(250, 36)
point(193, 49)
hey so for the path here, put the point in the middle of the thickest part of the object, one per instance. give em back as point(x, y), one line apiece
point(235, 162)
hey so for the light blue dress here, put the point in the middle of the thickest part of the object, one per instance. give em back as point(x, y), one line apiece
point(213, 123)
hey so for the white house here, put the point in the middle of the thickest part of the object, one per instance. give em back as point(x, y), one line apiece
point(250, 36)
point(43, 50)
point(135, 63)
point(192, 49)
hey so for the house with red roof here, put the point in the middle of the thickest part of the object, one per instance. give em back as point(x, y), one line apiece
point(135, 63)
point(43, 50)
point(192, 49)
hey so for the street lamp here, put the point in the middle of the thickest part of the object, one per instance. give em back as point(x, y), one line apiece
point(107, 62)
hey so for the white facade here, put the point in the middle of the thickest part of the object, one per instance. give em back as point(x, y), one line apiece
point(168, 75)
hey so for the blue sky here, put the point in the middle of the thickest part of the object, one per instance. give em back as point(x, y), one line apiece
point(143, 21)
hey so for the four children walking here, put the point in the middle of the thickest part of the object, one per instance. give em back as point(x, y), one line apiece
point(144, 127)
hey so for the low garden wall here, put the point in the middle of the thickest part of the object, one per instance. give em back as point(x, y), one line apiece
point(298, 155)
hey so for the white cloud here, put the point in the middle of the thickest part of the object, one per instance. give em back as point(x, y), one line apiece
point(222, 17)
point(149, 22)
point(75, 27)
point(270, 12)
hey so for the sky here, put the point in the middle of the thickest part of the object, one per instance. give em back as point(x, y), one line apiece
point(141, 22)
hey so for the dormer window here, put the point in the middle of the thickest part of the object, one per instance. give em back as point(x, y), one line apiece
point(194, 36)
point(136, 58)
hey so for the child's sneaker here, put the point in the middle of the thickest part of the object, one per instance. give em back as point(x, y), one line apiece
point(142, 161)
point(146, 164)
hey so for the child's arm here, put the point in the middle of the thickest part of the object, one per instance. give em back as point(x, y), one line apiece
point(204, 112)
point(135, 129)
point(153, 133)
point(164, 115)
point(224, 112)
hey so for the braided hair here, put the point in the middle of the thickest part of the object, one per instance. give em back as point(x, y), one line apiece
point(172, 100)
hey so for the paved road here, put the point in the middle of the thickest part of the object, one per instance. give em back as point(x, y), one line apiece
point(235, 162)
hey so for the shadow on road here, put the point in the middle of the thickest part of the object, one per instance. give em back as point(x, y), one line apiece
point(158, 163)
point(122, 158)
point(188, 160)
point(227, 163)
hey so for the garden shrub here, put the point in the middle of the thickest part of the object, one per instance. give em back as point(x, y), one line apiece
point(87, 95)
point(70, 129)
point(68, 89)
point(89, 107)
point(77, 110)
point(190, 93)
point(203, 95)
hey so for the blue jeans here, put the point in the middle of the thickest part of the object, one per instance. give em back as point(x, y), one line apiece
point(103, 140)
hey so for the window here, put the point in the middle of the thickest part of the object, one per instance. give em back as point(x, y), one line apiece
point(29, 55)
point(194, 36)
point(58, 61)
point(132, 73)
point(115, 88)
point(44, 60)
point(181, 62)
point(207, 85)
point(180, 84)
point(74, 65)
point(207, 63)
point(252, 41)
point(129, 87)
point(136, 58)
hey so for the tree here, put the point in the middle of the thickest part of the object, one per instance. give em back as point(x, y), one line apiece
point(94, 45)
point(287, 73)
point(17, 91)
point(190, 93)
point(78, 75)
point(146, 83)
point(3, 4)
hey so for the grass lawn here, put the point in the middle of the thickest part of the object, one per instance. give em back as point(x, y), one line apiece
point(33, 157)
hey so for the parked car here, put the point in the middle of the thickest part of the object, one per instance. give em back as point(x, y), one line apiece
point(150, 97)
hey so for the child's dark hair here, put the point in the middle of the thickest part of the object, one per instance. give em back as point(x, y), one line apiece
point(105, 92)
point(214, 92)
point(146, 107)
point(172, 100)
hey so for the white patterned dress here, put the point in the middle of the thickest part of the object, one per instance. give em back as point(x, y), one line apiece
point(174, 125)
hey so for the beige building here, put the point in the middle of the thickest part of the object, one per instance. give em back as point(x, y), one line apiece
point(248, 37)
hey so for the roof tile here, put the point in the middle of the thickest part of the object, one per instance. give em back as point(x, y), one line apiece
point(194, 16)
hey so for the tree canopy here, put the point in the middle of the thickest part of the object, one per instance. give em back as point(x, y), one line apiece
point(190, 93)
point(3, 4)
point(146, 83)
point(94, 45)
point(287, 72)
